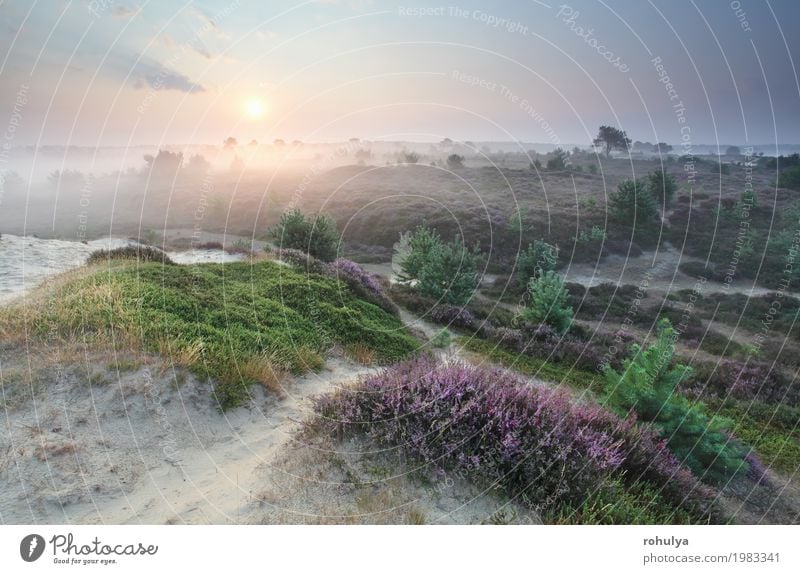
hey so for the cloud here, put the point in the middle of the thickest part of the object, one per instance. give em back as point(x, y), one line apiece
point(120, 11)
point(158, 77)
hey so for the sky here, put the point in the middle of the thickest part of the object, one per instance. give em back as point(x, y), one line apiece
point(144, 72)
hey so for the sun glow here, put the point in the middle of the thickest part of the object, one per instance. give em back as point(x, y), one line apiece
point(255, 109)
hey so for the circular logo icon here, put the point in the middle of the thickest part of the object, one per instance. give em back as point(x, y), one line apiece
point(31, 547)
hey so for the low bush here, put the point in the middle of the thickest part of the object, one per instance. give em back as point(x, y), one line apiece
point(364, 284)
point(548, 302)
point(533, 442)
point(315, 236)
point(749, 380)
point(442, 339)
point(224, 322)
point(141, 253)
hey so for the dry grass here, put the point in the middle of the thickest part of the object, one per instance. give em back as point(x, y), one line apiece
point(50, 450)
point(360, 354)
point(181, 355)
point(263, 371)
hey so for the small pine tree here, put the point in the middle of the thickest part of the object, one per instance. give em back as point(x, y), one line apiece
point(414, 249)
point(317, 237)
point(540, 257)
point(633, 202)
point(450, 273)
point(549, 302)
point(662, 187)
point(648, 385)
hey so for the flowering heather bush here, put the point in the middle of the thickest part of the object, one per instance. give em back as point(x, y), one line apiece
point(362, 283)
point(544, 342)
point(300, 259)
point(743, 380)
point(453, 316)
point(533, 441)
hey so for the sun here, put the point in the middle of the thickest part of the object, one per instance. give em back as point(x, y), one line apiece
point(255, 109)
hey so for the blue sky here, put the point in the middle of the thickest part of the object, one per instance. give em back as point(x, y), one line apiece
point(133, 71)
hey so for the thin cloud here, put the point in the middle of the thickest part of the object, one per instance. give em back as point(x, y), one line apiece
point(120, 11)
point(157, 77)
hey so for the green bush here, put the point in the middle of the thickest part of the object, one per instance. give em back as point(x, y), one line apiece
point(558, 161)
point(442, 339)
point(790, 178)
point(237, 324)
point(662, 187)
point(540, 257)
point(647, 387)
point(548, 302)
point(633, 203)
point(413, 250)
point(450, 273)
point(317, 237)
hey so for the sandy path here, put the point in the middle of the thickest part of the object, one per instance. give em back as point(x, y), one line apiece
point(139, 450)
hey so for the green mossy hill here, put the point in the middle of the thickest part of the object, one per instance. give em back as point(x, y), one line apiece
point(238, 323)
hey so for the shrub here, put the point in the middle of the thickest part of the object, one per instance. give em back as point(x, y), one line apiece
point(531, 441)
point(413, 250)
point(750, 380)
point(647, 386)
point(142, 253)
point(450, 273)
point(366, 285)
point(548, 302)
point(558, 162)
point(442, 339)
point(790, 178)
point(317, 237)
point(455, 161)
point(540, 257)
point(452, 316)
point(633, 203)
point(662, 187)
point(215, 319)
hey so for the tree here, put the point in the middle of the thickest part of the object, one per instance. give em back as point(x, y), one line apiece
point(455, 161)
point(648, 387)
point(733, 151)
point(198, 165)
point(410, 157)
point(663, 148)
point(662, 187)
point(363, 155)
point(558, 161)
point(450, 272)
point(163, 166)
point(790, 178)
point(317, 237)
point(549, 302)
point(610, 138)
point(633, 202)
point(539, 258)
point(413, 250)
point(230, 143)
point(516, 223)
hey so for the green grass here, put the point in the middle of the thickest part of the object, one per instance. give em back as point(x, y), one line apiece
point(238, 323)
point(555, 372)
point(774, 431)
point(617, 503)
